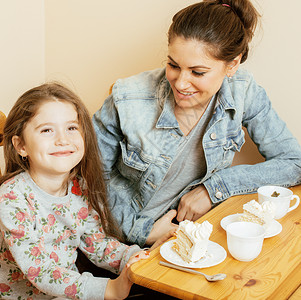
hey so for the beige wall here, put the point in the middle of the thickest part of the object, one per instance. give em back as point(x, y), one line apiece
point(92, 43)
point(22, 50)
point(89, 44)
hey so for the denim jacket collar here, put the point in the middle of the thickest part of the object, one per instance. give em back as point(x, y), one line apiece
point(167, 117)
point(225, 97)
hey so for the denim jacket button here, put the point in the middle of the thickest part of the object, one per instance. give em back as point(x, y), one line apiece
point(218, 195)
point(213, 136)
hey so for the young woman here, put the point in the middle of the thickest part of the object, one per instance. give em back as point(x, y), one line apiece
point(51, 204)
point(168, 136)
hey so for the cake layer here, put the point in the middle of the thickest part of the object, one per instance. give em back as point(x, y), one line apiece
point(192, 240)
point(258, 213)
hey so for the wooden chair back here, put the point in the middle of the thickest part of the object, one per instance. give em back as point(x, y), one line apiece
point(2, 122)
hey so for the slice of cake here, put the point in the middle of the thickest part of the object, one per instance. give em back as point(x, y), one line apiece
point(192, 240)
point(262, 214)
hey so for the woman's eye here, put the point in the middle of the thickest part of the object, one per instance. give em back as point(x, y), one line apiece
point(198, 73)
point(173, 66)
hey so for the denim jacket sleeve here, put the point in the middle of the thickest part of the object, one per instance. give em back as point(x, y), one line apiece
point(275, 142)
point(110, 137)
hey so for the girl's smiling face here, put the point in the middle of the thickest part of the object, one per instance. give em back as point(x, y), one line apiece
point(52, 140)
point(194, 75)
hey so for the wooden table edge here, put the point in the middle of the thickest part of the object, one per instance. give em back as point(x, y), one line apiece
point(163, 288)
point(296, 294)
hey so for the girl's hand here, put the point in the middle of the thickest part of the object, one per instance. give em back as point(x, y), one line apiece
point(119, 288)
point(161, 227)
point(194, 204)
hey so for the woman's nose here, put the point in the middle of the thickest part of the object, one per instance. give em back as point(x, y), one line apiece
point(183, 81)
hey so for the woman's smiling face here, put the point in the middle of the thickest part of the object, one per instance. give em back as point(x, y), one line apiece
point(194, 75)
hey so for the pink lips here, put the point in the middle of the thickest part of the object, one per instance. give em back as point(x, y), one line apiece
point(183, 96)
point(61, 153)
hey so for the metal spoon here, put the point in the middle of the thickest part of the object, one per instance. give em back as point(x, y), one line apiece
point(214, 277)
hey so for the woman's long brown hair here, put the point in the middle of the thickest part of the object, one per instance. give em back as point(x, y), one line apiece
point(226, 27)
point(90, 167)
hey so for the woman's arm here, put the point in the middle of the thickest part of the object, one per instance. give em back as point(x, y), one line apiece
point(109, 135)
point(274, 141)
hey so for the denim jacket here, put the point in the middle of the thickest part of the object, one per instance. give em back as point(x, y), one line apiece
point(138, 136)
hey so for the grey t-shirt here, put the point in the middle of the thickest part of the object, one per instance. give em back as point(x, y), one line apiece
point(189, 164)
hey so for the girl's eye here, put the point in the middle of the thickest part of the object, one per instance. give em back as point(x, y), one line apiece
point(198, 73)
point(173, 66)
point(46, 130)
point(72, 128)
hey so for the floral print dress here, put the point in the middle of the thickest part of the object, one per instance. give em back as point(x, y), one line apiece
point(39, 237)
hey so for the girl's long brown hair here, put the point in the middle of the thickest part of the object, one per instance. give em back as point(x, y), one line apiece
point(90, 167)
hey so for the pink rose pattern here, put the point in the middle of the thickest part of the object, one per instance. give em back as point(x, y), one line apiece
point(49, 251)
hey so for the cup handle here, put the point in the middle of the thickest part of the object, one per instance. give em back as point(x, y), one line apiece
point(296, 204)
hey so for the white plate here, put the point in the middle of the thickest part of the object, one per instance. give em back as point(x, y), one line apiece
point(215, 254)
point(274, 229)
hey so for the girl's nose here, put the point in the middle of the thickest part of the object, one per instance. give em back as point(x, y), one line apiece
point(183, 81)
point(61, 138)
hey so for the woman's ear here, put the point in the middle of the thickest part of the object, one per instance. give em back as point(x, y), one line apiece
point(233, 66)
point(19, 145)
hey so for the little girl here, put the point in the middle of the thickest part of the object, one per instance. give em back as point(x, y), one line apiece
point(53, 201)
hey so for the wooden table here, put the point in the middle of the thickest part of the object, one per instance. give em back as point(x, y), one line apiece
point(274, 274)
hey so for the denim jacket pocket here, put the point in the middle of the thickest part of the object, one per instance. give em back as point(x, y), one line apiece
point(131, 165)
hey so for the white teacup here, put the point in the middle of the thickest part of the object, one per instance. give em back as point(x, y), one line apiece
point(244, 240)
point(282, 199)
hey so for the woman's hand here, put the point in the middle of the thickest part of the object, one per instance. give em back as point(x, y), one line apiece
point(161, 227)
point(119, 288)
point(194, 204)
point(164, 238)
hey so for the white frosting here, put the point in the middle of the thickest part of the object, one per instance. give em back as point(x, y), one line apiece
point(196, 231)
point(198, 235)
point(264, 211)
